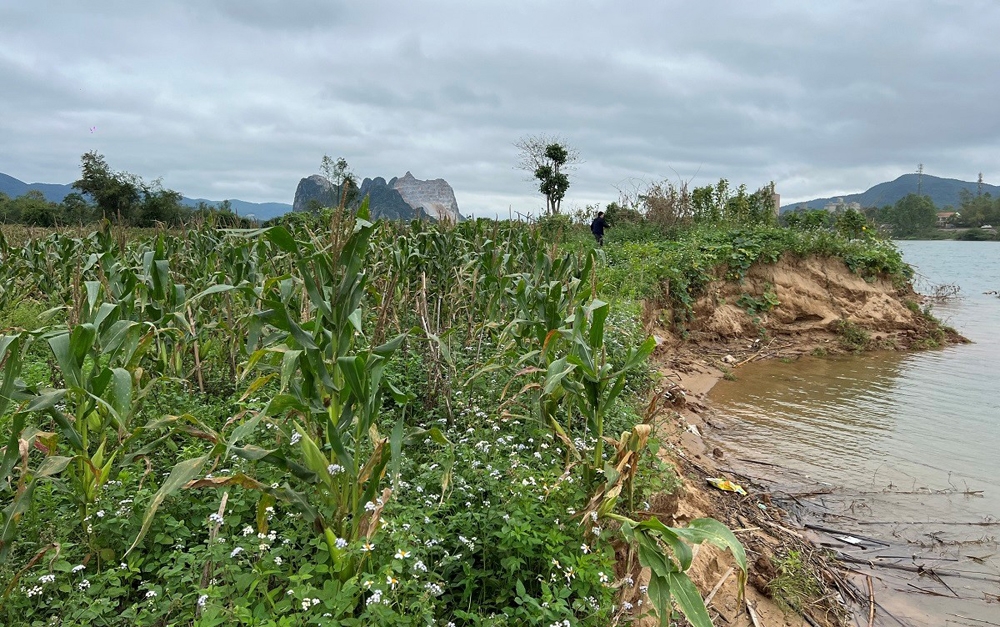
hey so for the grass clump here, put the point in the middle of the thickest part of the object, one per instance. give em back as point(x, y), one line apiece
point(795, 587)
point(852, 336)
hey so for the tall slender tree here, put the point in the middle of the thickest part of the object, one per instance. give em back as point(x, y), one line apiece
point(548, 159)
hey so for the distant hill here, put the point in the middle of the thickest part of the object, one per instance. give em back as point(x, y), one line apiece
point(259, 210)
point(944, 192)
point(54, 192)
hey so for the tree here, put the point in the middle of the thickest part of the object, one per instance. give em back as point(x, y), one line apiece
point(34, 210)
point(345, 184)
point(117, 194)
point(7, 215)
point(547, 159)
point(125, 197)
point(159, 205)
point(76, 209)
point(911, 214)
point(978, 210)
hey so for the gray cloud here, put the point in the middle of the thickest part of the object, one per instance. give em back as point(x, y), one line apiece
point(242, 98)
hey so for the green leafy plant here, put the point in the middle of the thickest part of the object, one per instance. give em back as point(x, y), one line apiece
point(755, 305)
point(853, 337)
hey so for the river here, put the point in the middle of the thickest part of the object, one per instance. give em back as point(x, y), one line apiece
point(906, 447)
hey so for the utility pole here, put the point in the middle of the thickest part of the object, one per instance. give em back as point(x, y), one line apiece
point(920, 178)
point(979, 185)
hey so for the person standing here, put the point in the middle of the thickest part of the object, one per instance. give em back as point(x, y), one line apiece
point(597, 228)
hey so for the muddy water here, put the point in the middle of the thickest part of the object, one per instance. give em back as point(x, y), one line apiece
point(904, 447)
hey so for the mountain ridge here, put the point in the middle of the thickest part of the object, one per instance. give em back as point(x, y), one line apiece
point(944, 192)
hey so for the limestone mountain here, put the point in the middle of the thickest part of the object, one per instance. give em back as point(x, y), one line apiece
point(404, 198)
point(435, 197)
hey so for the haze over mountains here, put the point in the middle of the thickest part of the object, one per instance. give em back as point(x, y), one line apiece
point(55, 192)
point(944, 192)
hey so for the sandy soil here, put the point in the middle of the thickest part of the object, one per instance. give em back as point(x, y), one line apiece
point(814, 296)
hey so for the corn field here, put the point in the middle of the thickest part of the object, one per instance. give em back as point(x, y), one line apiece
point(328, 423)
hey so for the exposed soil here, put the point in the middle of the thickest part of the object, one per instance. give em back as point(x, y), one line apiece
point(817, 300)
point(814, 297)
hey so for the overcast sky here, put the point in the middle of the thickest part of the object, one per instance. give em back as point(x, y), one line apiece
point(242, 98)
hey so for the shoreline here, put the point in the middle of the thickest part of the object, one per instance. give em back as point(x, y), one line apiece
point(690, 369)
point(763, 531)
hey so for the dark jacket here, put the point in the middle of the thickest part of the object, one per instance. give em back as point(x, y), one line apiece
point(597, 226)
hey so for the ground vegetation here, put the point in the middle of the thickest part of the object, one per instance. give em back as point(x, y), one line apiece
point(334, 421)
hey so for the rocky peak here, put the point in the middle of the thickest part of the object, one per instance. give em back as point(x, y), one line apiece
point(404, 198)
point(435, 197)
point(314, 188)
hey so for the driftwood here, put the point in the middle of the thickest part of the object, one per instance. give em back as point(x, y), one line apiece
point(722, 580)
point(837, 532)
point(915, 557)
point(753, 614)
point(977, 620)
point(985, 523)
point(919, 569)
point(871, 601)
point(754, 461)
point(933, 593)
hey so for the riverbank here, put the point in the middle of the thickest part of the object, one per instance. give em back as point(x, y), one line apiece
point(763, 527)
point(818, 308)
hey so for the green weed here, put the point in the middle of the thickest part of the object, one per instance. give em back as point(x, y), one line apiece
point(795, 587)
point(852, 336)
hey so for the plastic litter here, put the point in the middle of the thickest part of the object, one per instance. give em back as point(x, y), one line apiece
point(726, 485)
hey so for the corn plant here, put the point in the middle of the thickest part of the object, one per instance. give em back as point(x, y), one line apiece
point(330, 393)
point(97, 362)
point(581, 380)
